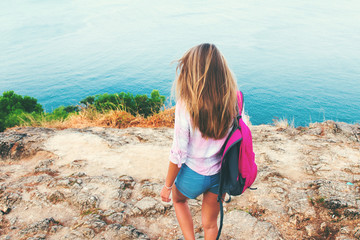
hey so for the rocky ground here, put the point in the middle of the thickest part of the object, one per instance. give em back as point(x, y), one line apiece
point(104, 183)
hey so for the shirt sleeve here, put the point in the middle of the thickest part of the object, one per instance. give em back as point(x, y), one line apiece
point(178, 152)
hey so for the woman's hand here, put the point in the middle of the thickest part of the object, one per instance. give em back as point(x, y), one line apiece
point(169, 181)
point(165, 194)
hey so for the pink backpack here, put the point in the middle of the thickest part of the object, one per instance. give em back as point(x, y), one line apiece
point(238, 167)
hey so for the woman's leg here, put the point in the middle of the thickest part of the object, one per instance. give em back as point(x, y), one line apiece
point(183, 214)
point(209, 213)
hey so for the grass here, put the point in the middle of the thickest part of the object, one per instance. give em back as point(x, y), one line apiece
point(89, 211)
point(283, 123)
point(91, 117)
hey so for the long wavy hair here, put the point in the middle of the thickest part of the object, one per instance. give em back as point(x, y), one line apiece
point(206, 85)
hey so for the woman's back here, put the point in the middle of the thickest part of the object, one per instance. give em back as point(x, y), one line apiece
point(203, 155)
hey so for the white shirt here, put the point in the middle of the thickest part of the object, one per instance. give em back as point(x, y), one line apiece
point(200, 154)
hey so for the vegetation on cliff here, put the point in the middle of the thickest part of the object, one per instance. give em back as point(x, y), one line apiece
point(113, 110)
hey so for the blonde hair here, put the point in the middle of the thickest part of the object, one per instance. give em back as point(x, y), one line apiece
point(206, 85)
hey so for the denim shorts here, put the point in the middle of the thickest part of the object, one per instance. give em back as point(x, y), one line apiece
point(191, 184)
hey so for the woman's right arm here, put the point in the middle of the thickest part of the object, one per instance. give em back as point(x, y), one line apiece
point(173, 171)
point(178, 153)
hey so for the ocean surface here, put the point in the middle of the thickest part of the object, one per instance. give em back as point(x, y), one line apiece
point(298, 60)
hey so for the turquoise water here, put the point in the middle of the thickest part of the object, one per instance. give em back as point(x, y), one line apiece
point(293, 59)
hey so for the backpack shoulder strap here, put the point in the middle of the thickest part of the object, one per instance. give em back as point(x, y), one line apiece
point(221, 220)
point(240, 99)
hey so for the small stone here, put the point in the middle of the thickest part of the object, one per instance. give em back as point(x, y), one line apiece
point(88, 232)
point(118, 205)
point(126, 194)
point(78, 163)
point(117, 218)
point(334, 203)
point(13, 220)
point(323, 226)
point(55, 228)
point(149, 205)
point(344, 230)
point(135, 211)
point(56, 197)
point(114, 226)
point(357, 233)
point(352, 213)
point(310, 230)
point(128, 180)
point(78, 174)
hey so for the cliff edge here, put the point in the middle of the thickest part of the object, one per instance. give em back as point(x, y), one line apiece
point(104, 183)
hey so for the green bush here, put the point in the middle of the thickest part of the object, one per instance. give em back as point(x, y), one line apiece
point(13, 107)
point(140, 104)
point(58, 114)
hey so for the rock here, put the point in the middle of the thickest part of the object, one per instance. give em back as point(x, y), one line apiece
point(45, 170)
point(352, 213)
point(87, 201)
point(148, 189)
point(87, 232)
point(66, 181)
point(149, 206)
point(116, 217)
point(79, 163)
point(128, 181)
point(323, 226)
point(119, 232)
point(38, 237)
point(43, 225)
point(248, 227)
point(125, 195)
point(310, 230)
point(118, 205)
point(94, 221)
point(315, 130)
point(350, 131)
point(45, 163)
point(18, 143)
point(335, 194)
point(344, 230)
point(357, 233)
point(8, 200)
point(55, 228)
point(78, 174)
point(334, 203)
point(13, 220)
point(114, 226)
point(5, 210)
point(56, 197)
point(299, 204)
point(132, 232)
point(73, 235)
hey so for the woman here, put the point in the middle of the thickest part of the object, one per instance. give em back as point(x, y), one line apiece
point(206, 106)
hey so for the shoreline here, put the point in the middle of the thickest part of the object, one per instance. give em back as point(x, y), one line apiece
point(62, 113)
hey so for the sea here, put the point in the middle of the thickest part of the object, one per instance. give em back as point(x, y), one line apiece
point(294, 60)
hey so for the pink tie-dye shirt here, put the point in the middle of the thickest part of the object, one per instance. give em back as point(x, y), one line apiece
point(200, 154)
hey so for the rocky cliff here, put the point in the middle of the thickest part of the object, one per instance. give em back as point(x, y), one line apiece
point(104, 183)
